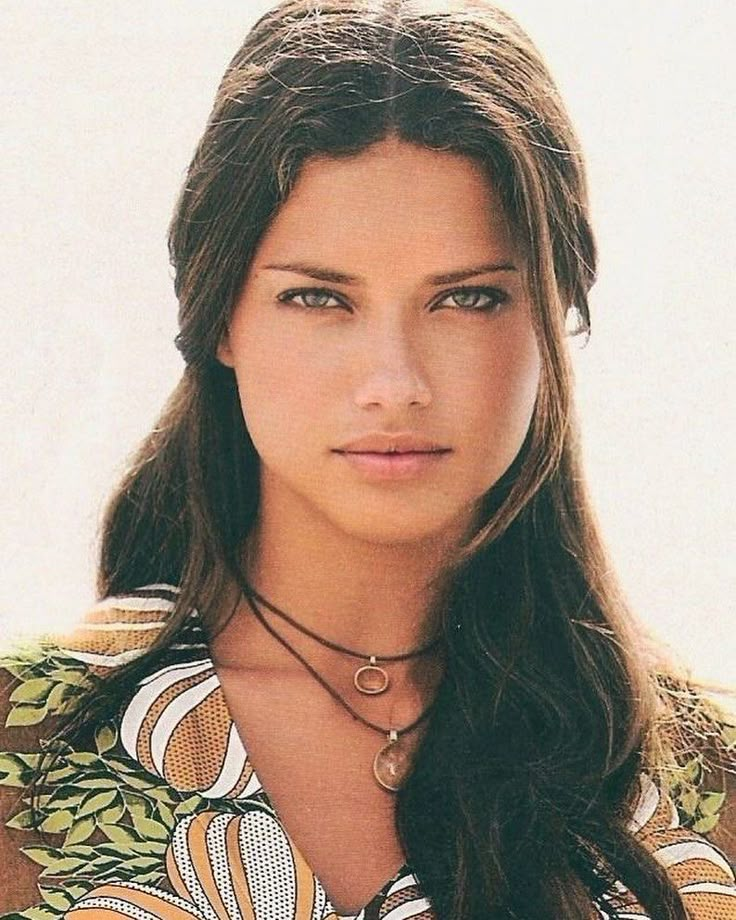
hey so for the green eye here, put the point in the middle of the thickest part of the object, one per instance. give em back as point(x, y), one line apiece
point(478, 299)
point(311, 298)
point(470, 299)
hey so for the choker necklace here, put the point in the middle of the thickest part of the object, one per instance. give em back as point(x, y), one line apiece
point(392, 762)
point(369, 678)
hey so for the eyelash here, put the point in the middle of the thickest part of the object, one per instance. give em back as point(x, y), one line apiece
point(498, 297)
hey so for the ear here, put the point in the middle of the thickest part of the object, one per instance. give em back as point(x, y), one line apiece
point(224, 350)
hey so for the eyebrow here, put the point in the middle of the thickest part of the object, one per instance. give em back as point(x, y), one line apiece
point(322, 273)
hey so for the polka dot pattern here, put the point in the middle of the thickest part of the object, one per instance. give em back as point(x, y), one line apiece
point(236, 861)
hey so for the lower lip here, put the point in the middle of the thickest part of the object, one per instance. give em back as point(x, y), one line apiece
point(394, 466)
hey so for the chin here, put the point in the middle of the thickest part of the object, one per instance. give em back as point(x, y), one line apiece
point(407, 527)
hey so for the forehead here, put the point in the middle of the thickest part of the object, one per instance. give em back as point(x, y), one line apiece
point(394, 204)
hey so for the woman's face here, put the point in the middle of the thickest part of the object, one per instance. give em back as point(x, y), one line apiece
point(345, 330)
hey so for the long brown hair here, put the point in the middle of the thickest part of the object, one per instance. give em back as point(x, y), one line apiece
point(518, 802)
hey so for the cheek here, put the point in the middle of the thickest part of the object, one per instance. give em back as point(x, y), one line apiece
point(523, 375)
point(505, 394)
point(279, 392)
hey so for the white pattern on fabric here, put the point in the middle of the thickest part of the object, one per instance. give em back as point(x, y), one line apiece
point(675, 853)
point(141, 604)
point(410, 909)
point(217, 849)
point(105, 661)
point(709, 887)
point(231, 770)
point(188, 869)
point(150, 689)
point(119, 905)
point(269, 864)
point(177, 726)
point(182, 704)
point(647, 805)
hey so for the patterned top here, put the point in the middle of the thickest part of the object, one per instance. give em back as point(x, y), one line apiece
point(163, 817)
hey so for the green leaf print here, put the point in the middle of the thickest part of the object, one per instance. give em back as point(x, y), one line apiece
point(17, 769)
point(698, 808)
point(83, 851)
point(146, 827)
point(56, 898)
point(37, 913)
point(98, 793)
point(48, 684)
point(119, 834)
point(64, 797)
point(137, 804)
point(36, 691)
point(77, 889)
point(13, 779)
point(98, 781)
point(188, 806)
point(57, 774)
point(26, 714)
point(61, 698)
point(143, 782)
point(42, 856)
point(118, 765)
point(166, 815)
point(22, 821)
point(154, 877)
point(711, 803)
point(106, 867)
point(143, 864)
point(164, 794)
point(113, 814)
point(152, 847)
point(82, 759)
point(705, 825)
point(57, 823)
point(688, 801)
point(96, 802)
point(15, 763)
point(73, 677)
point(54, 862)
point(692, 772)
point(80, 831)
point(105, 738)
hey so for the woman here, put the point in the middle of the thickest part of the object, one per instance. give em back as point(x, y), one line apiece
point(359, 651)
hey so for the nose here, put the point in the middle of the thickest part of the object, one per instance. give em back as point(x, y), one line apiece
point(391, 374)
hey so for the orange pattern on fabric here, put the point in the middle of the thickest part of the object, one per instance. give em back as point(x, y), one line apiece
point(220, 862)
point(191, 767)
point(202, 861)
point(240, 879)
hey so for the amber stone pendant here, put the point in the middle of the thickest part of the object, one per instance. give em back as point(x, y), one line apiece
point(371, 678)
point(391, 764)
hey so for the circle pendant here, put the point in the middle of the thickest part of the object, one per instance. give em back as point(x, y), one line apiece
point(371, 679)
point(391, 765)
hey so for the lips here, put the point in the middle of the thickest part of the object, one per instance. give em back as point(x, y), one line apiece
point(392, 443)
point(394, 465)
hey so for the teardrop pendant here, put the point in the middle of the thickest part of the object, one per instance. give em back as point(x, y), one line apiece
point(371, 678)
point(392, 763)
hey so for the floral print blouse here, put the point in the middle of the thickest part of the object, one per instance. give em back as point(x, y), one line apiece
point(163, 817)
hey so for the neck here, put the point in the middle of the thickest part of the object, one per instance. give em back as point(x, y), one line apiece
point(380, 597)
point(377, 597)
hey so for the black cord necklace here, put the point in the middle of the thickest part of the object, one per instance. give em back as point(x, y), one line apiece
point(392, 762)
point(369, 678)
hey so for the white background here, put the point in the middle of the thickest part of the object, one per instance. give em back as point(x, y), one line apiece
point(102, 103)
